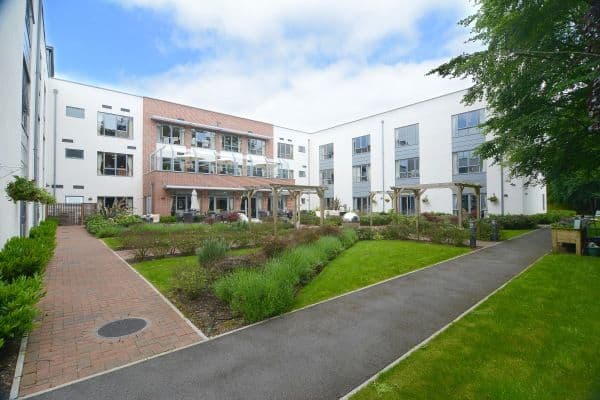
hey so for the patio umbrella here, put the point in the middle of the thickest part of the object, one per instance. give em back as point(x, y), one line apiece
point(195, 205)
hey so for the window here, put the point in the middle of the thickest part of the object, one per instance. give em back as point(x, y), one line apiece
point(73, 199)
point(27, 33)
point(327, 176)
point(407, 135)
point(74, 153)
point(286, 173)
point(361, 173)
point(301, 174)
point(25, 89)
point(285, 150)
point(407, 168)
point(75, 112)
point(231, 143)
point(113, 201)
point(360, 204)
point(301, 149)
point(466, 162)
point(229, 168)
point(326, 151)
point(200, 167)
point(256, 170)
point(169, 134)
point(203, 139)
point(257, 146)
point(115, 164)
point(467, 123)
point(115, 125)
point(361, 144)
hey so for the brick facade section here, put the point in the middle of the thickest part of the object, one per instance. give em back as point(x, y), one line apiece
point(155, 181)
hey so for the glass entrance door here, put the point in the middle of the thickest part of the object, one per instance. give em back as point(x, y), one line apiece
point(407, 205)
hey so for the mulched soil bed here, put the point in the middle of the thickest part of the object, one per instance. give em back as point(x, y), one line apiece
point(8, 363)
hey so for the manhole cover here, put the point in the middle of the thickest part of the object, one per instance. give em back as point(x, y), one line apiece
point(122, 327)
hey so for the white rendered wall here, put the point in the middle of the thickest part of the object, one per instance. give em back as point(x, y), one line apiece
point(300, 161)
point(12, 27)
point(84, 133)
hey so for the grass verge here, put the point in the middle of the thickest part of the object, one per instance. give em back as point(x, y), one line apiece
point(535, 339)
point(369, 262)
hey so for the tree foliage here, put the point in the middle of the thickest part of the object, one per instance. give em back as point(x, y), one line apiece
point(539, 74)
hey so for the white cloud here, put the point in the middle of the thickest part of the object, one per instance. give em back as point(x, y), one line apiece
point(303, 64)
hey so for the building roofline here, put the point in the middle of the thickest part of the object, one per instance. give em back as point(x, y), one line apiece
point(96, 87)
point(390, 110)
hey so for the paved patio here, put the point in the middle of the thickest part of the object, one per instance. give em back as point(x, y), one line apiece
point(87, 286)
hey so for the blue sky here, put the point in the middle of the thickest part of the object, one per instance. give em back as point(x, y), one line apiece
point(266, 60)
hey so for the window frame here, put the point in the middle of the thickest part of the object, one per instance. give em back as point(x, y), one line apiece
point(470, 126)
point(73, 108)
point(170, 136)
point(285, 150)
point(410, 133)
point(101, 125)
point(364, 175)
point(408, 173)
point(252, 142)
point(469, 164)
point(117, 159)
point(73, 157)
point(361, 144)
point(230, 147)
point(326, 176)
point(324, 154)
point(209, 137)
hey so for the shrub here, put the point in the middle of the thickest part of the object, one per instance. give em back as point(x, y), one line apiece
point(187, 243)
point(190, 280)
point(161, 246)
point(24, 256)
point(400, 231)
point(168, 219)
point(275, 245)
point(309, 219)
point(109, 230)
point(378, 219)
point(553, 216)
point(259, 294)
point(348, 237)
point(448, 234)
point(17, 303)
point(140, 241)
point(365, 234)
point(332, 220)
point(232, 217)
point(329, 230)
point(127, 219)
point(515, 221)
point(212, 249)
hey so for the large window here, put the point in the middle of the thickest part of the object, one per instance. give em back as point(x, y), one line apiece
point(115, 164)
point(466, 162)
point(327, 176)
point(407, 135)
point(203, 139)
point(229, 168)
point(170, 134)
point(256, 170)
point(285, 150)
point(286, 173)
point(326, 151)
point(467, 123)
point(361, 144)
point(115, 125)
point(257, 146)
point(361, 173)
point(360, 204)
point(231, 143)
point(407, 168)
point(200, 167)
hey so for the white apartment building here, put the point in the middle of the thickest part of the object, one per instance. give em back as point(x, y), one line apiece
point(97, 147)
point(431, 141)
point(25, 67)
point(87, 144)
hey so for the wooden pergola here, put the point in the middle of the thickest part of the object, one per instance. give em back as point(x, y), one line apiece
point(418, 190)
point(295, 192)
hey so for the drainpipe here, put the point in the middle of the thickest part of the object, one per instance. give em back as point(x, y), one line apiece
point(308, 170)
point(36, 130)
point(382, 170)
point(55, 92)
point(501, 190)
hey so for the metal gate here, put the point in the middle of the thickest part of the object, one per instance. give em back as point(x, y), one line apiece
point(70, 214)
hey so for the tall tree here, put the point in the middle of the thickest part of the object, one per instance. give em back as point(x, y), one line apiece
point(539, 73)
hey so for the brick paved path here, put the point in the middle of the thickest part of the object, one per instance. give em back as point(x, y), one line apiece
point(88, 286)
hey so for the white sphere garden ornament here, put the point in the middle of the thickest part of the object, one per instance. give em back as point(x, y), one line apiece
point(351, 217)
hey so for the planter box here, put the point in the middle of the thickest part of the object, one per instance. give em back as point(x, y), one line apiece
point(573, 236)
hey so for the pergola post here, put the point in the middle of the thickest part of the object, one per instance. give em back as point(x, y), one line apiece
point(478, 207)
point(459, 192)
point(321, 194)
point(417, 194)
point(296, 215)
point(274, 207)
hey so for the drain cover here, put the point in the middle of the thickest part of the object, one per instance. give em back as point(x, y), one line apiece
point(122, 327)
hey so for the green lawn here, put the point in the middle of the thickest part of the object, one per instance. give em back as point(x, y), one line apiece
point(159, 271)
point(511, 233)
point(114, 243)
point(371, 261)
point(538, 338)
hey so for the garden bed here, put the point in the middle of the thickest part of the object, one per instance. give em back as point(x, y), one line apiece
point(8, 363)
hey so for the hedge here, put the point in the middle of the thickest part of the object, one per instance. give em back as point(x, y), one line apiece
point(260, 294)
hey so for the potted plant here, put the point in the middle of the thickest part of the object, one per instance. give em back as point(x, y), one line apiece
point(493, 198)
point(23, 189)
